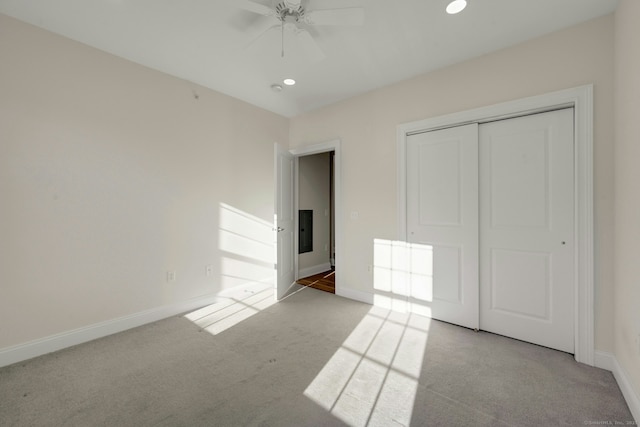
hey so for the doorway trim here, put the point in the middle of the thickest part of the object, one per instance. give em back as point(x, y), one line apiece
point(581, 99)
point(323, 147)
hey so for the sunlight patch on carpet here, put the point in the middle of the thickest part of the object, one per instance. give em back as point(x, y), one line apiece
point(232, 308)
point(373, 377)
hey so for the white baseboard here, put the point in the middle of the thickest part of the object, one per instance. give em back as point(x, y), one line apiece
point(316, 269)
point(609, 362)
point(353, 294)
point(31, 349)
point(604, 360)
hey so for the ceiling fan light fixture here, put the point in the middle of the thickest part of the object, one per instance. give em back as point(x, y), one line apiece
point(289, 82)
point(456, 6)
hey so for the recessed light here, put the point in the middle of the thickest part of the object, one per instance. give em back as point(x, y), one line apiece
point(276, 88)
point(456, 6)
point(289, 82)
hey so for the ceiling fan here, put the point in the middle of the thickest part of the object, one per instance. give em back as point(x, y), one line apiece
point(294, 15)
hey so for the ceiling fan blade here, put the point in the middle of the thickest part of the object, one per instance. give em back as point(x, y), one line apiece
point(310, 46)
point(346, 16)
point(261, 34)
point(254, 7)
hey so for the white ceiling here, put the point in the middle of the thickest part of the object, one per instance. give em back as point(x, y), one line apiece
point(212, 42)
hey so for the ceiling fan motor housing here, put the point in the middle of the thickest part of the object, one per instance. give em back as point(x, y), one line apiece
point(289, 12)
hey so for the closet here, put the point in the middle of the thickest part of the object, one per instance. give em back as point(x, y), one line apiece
point(490, 225)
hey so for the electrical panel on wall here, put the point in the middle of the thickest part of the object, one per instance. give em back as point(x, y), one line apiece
point(305, 231)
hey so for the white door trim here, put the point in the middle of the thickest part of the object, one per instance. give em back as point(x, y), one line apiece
point(581, 99)
point(324, 147)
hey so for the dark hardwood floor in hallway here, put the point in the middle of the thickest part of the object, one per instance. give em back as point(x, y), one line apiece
point(324, 281)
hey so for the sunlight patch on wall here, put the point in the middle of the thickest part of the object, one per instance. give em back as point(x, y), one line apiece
point(246, 271)
point(403, 276)
point(238, 272)
point(373, 377)
point(247, 242)
point(245, 235)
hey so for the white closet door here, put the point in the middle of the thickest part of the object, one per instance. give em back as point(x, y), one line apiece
point(527, 229)
point(442, 219)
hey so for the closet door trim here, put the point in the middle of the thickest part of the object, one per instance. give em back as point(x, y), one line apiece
point(581, 99)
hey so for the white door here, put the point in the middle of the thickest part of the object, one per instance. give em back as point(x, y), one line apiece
point(527, 229)
point(283, 221)
point(442, 220)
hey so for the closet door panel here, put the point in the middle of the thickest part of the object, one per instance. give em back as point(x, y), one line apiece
point(442, 219)
point(527, 227)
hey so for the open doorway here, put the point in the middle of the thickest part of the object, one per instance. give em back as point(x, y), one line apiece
point(286, 206)
point(315, 215)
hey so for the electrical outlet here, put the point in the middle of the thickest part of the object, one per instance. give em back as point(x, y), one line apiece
point(171, 276)
point(209, 270)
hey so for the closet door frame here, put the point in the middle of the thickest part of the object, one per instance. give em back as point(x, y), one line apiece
point(581, 99)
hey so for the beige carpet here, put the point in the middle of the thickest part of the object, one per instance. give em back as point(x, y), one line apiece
point(313, 360)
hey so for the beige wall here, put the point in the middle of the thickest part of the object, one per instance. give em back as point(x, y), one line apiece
point(627, 191)
point(367, 127)
point(111, 174)
point(314, 193)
